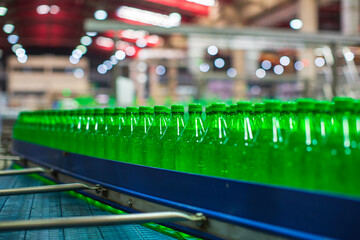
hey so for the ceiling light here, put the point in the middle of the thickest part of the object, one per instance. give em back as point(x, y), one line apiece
point(86, 40)
point(141, 42)
point(266, 64)
point(130, 51)
point(77, 53)
point(114, 60)
point(102, 69)
point(284, 60)
point(108, 64)
point(22, 59)
point(120, 55)
point(91, 34)
point(141, 66)
point(349, 56)
point(219, 63)
point(43, 9)
point(54, 9)
point(3, 11)
point(204, 67)
point(208, 3)
point(148, 17)
point(141, 78)
point(13, 38)
point(79, 73)
point(299, 65)
point(100, 15)
point(278, 69)
point(82, 48)
point(73, 60)
point(104, 42)
point(160, 70)
point(296, 24)
point(231, 72)
point(16, 47)
point(20, 52)
point(8, 28)
point(260, 73)
point(319, 62)
point(212, 50)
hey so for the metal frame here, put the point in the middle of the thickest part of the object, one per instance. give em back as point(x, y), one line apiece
point(9, 158)
point(22, 171)
point(258, 33)
point(232, 208)
point(46, 189)
point(70, 222)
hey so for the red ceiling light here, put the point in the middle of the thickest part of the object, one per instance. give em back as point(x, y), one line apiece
point(190, 6)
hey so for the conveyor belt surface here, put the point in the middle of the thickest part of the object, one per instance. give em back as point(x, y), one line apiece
point(50, 205)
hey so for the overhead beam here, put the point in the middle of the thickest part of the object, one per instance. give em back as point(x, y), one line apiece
point(257, 33)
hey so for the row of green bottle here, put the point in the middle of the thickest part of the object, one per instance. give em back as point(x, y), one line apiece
point(307, 144)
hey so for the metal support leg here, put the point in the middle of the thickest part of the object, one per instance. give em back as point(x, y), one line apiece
point(46, 189)
point(22, 171)
point(134, 218)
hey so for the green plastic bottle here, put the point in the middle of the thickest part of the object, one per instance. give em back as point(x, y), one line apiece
point(96, 124)
point(232, 116)
point(136, 143)
point(97, 140)
point(64, 133)
point(257, 116)
point(322, 119)
point(70, 135)
point(239, 144)
point(80, 126)
point(169, 139)
point(188, 158)
point(269, 146)
point(18, 126)
point(132, 114)
point(102, 135)
point(287, 117)
point(208, 116)
point(342, 168)
point(212, 143)
point(111, 144)
point(55, 123)
point(85, 134)
point(303, 162)
point(151, 146)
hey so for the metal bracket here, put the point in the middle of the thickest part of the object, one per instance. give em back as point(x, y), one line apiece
point(100, 190)
point(46, 189)
point(22, 171)
point(134, 218)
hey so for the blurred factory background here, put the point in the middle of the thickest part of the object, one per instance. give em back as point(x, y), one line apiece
point(80, 53)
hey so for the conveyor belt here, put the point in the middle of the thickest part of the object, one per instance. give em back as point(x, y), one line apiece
point(50, 205)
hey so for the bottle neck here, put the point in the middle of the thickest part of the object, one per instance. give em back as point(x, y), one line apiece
point(243, 124)
point(323, 124)
point(176, 124)
point(195, 125)
point(306, 128)
point(344, 128)
point(218, 127)
point(144, 123)
point(159, 123)
point(270, 129)
point(99, 123)
point(130, 123)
